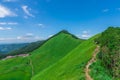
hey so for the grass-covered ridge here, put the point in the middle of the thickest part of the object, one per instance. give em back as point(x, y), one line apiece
point(71, 66)
point(53, 50)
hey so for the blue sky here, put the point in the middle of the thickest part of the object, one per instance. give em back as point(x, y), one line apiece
point(32, 20)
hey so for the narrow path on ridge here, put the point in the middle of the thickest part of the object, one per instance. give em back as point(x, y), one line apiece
point(92, 60)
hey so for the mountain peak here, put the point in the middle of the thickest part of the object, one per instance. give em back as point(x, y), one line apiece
point(64, 31)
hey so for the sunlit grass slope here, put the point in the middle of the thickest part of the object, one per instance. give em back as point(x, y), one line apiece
point(15, 69)
point(53, 50)
point(70, 67)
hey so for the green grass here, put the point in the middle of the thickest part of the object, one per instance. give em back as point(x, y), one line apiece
point(71, 66)
point(15, 69)
point(53, 50)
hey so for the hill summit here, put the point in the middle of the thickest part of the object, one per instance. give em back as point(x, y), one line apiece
point(66, 32)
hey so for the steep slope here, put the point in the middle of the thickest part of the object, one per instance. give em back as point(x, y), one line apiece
point(53, 50)
point(70, 67)
point(23, 68)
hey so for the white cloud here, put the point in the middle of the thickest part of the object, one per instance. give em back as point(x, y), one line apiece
point(29, 34)
point(85, 34)
point(50, 36)
point(26, 36)
point(3, 23)
point(5, 28)
point(5, 12)
point(8, 23)
point(105, 10)
point(7, 39)
point(8, 28)
point(41, 25)
point(12, 23)
point(9, 0)
point(26, 10)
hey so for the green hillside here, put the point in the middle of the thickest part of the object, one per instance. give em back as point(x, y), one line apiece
point(53, 50)
point(108, 63)
point(71, 66)
point(23, 68)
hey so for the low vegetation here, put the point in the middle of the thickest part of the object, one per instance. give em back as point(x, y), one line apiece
point(99, 72)
point(110, 51)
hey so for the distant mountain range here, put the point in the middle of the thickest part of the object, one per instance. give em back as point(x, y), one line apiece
point(5, 48)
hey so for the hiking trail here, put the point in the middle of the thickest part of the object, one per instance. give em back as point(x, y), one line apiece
point(92, 60)
point(32, 72)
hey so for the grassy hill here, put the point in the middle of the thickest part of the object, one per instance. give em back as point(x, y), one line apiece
point(71, 66)
point(53, 50)
point(23, 68)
